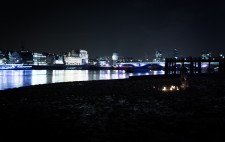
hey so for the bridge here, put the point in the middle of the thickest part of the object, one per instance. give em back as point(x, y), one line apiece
point(172, 65)
point(178, 62)
point(139, 64)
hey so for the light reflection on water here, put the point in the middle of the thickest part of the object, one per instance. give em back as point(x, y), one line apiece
point(19, 78)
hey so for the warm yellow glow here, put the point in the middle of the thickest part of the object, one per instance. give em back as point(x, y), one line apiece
point(170, 88)
point(164, 88)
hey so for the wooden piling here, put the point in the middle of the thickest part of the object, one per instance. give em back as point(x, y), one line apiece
point(191, 66)
point(166, 65)
point(199, 66)
point(195, 65)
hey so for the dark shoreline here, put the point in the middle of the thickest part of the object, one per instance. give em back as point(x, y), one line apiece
point(127, 109)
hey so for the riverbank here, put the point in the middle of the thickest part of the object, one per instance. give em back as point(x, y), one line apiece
point(133, 109)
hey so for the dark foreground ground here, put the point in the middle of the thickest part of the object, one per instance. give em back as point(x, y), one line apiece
point(117, 110)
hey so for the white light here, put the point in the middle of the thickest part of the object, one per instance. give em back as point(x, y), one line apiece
point(221, 55)
point(164, 88)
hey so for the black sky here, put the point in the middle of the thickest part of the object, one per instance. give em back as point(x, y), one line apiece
point(136, 28)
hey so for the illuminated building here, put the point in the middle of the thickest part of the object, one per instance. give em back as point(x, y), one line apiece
point(73, 60)
point(206, 55)
point(92, 61)
point(14, 57)
point(78, 57)
point(158, 56)
point(84, 56)
point(1, 61)
point(115, 57)
point(104, 63)
point(175, 53)
point(58, 60)
point(39, 59)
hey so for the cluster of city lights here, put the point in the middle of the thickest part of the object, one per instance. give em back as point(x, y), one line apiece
point(170, 88)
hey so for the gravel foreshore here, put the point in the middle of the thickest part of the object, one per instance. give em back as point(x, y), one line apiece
point(118, 110)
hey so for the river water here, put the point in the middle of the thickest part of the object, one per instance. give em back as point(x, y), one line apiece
point(19, 78)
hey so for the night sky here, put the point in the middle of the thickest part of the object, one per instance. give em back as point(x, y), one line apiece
point(135, 28)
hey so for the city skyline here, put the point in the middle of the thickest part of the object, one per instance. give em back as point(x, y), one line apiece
point(135, 28)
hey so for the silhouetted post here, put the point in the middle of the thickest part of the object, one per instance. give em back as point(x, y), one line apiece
point(209, 66)
point(173, 66)
point(195, 65)
point(191, 66)
point(169, 66)
point(166, 66)
point(182, 62)
point(199, 66)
